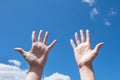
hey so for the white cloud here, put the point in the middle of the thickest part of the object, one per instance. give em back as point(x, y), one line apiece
point(90, 2)
point(57, 76)
point(93, 13)
point(107, 23)
point(112, 12)
point(13, 72)
point(15, 62)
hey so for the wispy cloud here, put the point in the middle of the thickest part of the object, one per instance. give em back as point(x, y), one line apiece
point(57, 76)
point(14, 72)
point(107, 23)
point(112, 12)
point(93, 13)
point(90, 2)
point(15, 62)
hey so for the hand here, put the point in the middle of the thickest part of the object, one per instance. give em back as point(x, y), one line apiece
point(84, 55)
point(38, 54)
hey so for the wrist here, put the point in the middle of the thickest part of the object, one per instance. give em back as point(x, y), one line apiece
point(86, 66)
point(82, 64)
point(36, 70)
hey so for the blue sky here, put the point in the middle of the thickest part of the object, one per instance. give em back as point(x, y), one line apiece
point(18, 18)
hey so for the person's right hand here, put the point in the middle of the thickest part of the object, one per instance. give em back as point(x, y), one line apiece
point(84, 55)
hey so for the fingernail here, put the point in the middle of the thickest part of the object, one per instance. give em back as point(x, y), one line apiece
point(87, 30)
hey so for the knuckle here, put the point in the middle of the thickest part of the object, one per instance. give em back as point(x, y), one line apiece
point(34, 44)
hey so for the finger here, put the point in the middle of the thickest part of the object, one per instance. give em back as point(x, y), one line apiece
point(77, 38)
point(82, 36)
point(87, 36)
point(97, 48)
point(20, 50)
point(45, 38)
point(33, 36)
point(52, 44)
point(72, 44)
point(40, 36)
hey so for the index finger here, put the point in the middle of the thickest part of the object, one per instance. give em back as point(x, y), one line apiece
point(52, 44)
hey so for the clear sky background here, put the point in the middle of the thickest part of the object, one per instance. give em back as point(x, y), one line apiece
point(18, 18)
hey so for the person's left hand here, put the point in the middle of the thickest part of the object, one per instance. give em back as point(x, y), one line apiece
point(38, 54)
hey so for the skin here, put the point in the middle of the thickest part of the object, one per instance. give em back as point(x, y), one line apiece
point(37, 56)
point(84, 55)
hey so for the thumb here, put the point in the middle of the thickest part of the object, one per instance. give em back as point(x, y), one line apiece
point(20, 50)
point(98, 46)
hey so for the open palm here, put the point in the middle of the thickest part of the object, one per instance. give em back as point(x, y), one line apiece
point(38, 54)
point(83, 53)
